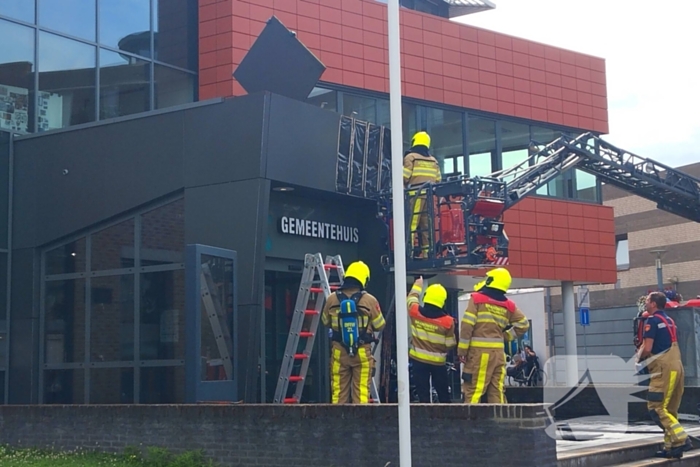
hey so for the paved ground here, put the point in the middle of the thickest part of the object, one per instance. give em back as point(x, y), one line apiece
point(600, 434)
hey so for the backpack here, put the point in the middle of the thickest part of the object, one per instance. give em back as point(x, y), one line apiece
point(349, 324)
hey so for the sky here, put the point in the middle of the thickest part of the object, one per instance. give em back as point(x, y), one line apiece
point(652, 55)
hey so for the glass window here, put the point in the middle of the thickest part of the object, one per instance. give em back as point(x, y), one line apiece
point(445, 130)
point(66, 259)
point(163, 234)
point(64, 335)
point(586, 186)
point(362, 108)
point(66, 82)
point(622, 253)
point(113, 247)
point(73, 17)
point(18, 9)
point(163, 385)
point(175, 28)
point(162, 326)
point(540, 137)
point(112, 318)
point(383, 113)
point(482, 144)
point(112, 386)
point(324, 98)
point(16, 77)
point(410, 123)
point(126, 25)
point(64, 387)
point(124, 85)
point(172, 87)
point(515, 140)
point(453, 166)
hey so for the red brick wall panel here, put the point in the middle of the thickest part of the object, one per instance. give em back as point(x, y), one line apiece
point(493, 57)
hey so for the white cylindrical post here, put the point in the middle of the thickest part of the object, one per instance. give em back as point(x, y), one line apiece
point(571, 347)
point(399, 234)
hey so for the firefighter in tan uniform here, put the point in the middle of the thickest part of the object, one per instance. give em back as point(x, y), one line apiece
point(660, 349)
point(489, 320)
point(420, 167)
point(350, 366)
point(432, 336)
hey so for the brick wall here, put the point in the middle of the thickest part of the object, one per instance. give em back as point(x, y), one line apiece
point(323, 435)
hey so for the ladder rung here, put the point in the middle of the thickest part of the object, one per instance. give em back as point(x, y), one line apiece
point(290, 400)
point(310, 312)
point(296, 379)
point(306, 333)
point(300, 356)
point(330, 266)
point(320, 289)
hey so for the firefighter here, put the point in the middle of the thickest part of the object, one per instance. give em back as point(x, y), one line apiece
point(489, 320)
point(432, 336)
point(660, 348)
point(355, 369)
point(420, 167)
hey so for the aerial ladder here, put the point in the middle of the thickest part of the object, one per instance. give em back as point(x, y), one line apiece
point(466, 228)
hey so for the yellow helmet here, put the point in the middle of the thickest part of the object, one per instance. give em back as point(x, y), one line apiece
point(498, 279)
point(435, 295)
point(421, 139)
point(358, 270)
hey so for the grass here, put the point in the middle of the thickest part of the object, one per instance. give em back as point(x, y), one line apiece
point(155, 457)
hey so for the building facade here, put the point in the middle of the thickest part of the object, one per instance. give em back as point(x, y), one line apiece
point(97, 305)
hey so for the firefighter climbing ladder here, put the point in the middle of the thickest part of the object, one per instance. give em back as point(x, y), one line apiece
point(315, 287)
point(217, 319)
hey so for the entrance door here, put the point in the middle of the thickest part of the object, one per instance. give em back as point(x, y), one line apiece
point(281, 289)
point(211, 324)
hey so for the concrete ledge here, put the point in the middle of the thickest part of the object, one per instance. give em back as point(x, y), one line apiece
point(303, 435)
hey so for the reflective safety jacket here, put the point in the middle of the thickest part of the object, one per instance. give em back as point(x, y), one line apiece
point(431, 338)
point(420, 168)
point(370, 313)
point(485, 322)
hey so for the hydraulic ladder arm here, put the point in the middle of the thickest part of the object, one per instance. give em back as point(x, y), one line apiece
point(672, 190)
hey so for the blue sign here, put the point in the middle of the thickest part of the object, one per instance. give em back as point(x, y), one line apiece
point(585, 317)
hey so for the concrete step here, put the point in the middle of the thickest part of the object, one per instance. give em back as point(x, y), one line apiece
point(628, 453)
point(690, 459)
point(609, 454)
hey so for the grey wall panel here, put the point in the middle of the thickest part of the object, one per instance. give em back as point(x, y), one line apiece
point(110, 169)
point(24, 328)
point(24, 280)
point(610, 332)
point(234, 216)
point(302, 144)
point(225, 144)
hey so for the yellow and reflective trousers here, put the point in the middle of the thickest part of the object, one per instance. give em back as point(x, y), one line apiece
point(665, 393)
point(420, 236)
point(484, 373)
point(351, 374)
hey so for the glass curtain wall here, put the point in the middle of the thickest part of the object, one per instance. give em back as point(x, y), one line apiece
point(77, 61)
point(113, 313)
point(464, 142)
